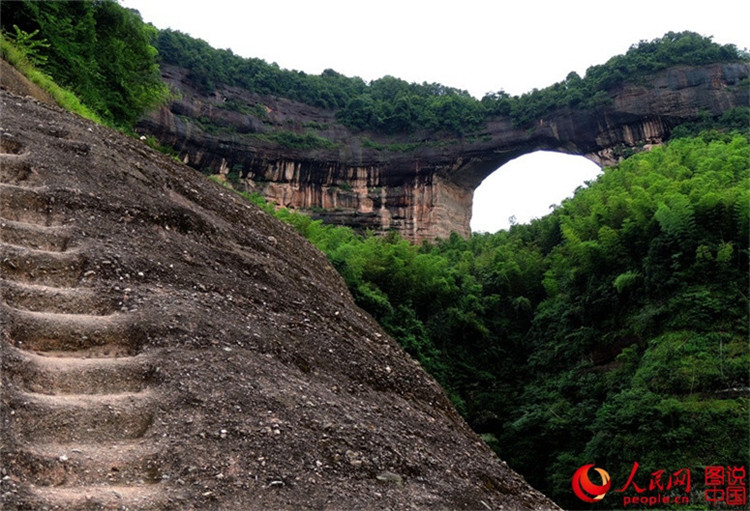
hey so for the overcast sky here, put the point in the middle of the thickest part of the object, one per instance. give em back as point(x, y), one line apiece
point(476, 45)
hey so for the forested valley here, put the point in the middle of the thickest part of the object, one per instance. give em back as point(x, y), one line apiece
point(614, 329)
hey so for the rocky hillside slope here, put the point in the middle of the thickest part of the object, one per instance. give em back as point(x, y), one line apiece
point(166, 345)
point(420, 185)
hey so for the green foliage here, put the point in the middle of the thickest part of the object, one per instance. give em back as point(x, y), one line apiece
point(626, 280)
point(243, 108)
point(642, 59)
point(291, 140)
point(98, 49)
point(613, 330)
point(389, 105)
point(209, 66)
point(401, 147)
point(735, 119)
point(30, 46)
point(63, 97)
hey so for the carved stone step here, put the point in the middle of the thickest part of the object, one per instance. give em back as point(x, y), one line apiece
point(26, 204)
point(81, 418)
point(10, 147)
point(62, 269)
point(147, 497)
point(65, 300)
point(52, 238)
point(68, 375)
point(128, 463)
point(14, 169)
point(46, 331)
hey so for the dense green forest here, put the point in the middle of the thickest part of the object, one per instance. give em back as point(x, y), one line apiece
point(99, 50)
point(613, 330)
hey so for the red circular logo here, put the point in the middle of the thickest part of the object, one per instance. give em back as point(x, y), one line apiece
point(585, 489)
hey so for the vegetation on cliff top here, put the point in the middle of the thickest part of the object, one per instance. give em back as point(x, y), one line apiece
point(391, 105)
point(641, 60)
point(613, 330)
point(104, 53)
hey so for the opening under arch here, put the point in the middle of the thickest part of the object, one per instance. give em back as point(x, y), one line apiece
point(526, 187)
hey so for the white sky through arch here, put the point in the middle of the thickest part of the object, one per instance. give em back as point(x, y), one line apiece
point(526, 187)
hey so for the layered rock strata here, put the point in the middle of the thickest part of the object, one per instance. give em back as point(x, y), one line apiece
point(421, 185)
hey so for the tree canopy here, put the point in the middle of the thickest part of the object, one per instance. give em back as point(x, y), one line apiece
point(642, 59)
point(391, 105)
point(98, 49)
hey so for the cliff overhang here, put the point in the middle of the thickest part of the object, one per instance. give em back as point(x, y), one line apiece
point(421, 185)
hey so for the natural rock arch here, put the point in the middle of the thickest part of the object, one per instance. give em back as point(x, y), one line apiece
point(425, 190)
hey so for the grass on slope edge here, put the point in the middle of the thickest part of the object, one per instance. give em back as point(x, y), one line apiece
point(65, 98)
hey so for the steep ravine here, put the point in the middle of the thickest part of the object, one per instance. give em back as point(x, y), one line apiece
point(422, 185)
point(166, 345)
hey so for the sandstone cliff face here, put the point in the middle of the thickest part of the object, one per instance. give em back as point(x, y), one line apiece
point(420, 186)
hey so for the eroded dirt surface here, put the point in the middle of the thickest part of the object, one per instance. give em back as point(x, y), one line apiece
point(166, 345)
